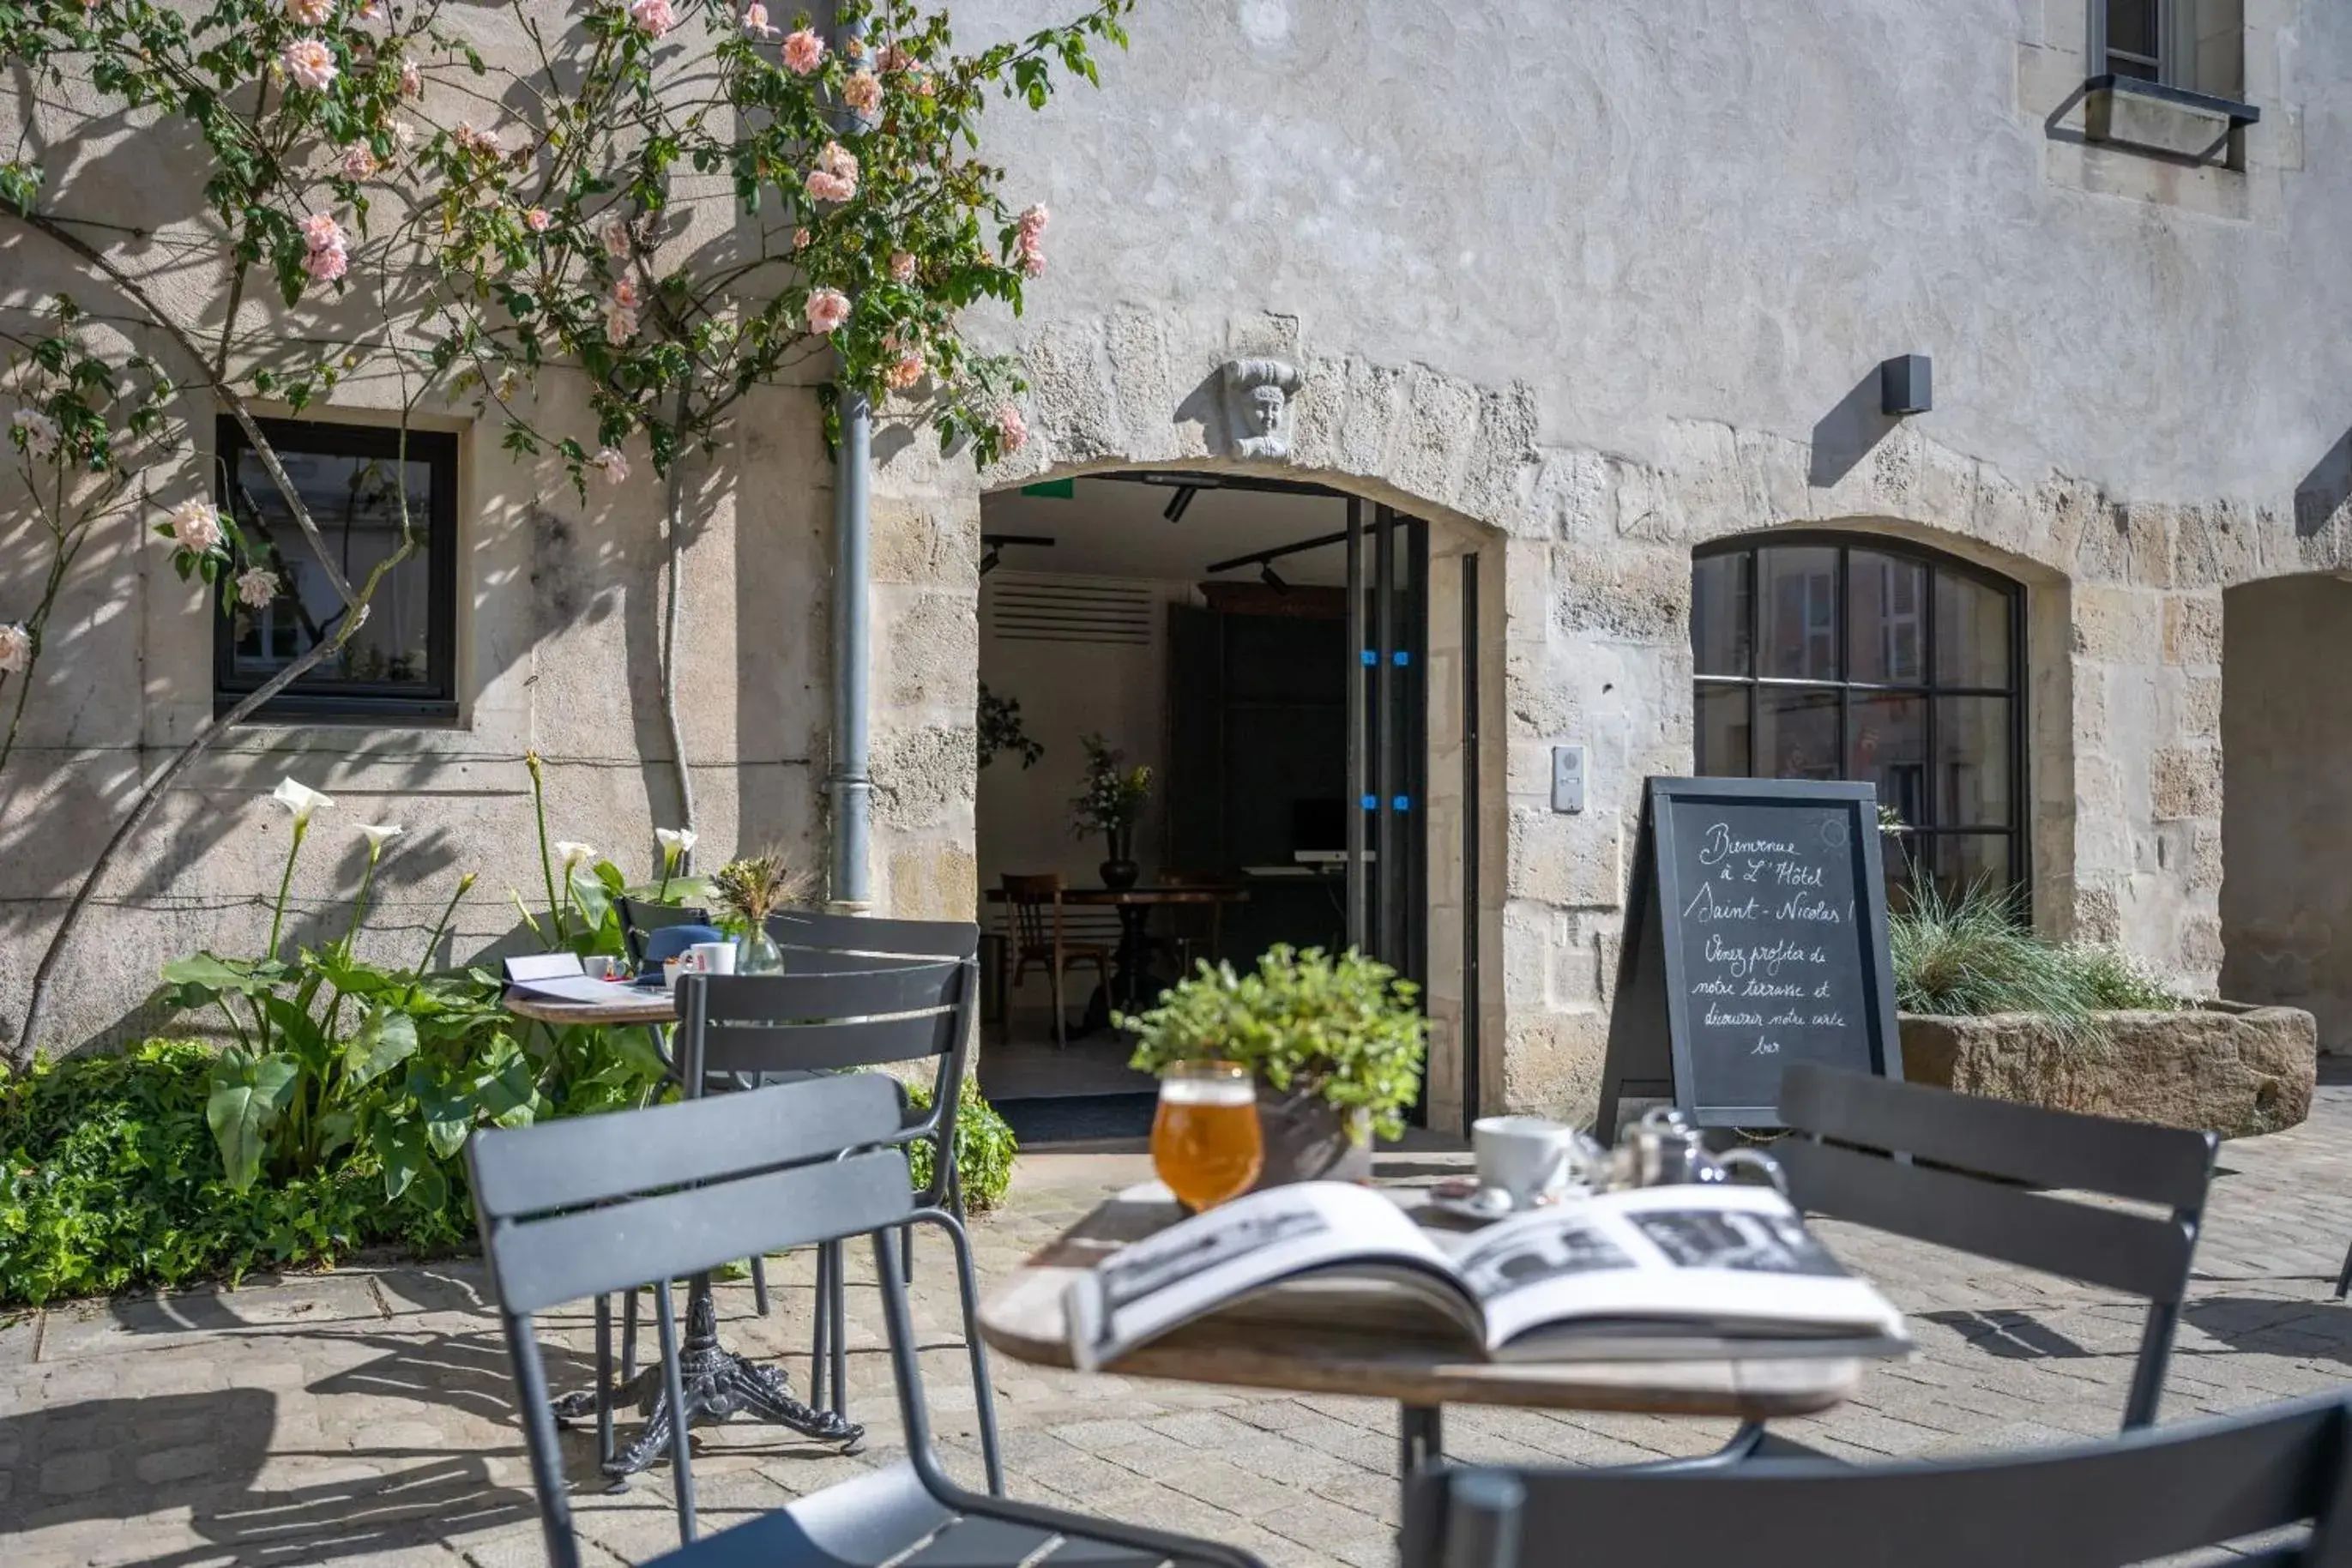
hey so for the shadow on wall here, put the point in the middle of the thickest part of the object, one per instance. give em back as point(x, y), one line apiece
point(2325, 489)
point(1847, 433)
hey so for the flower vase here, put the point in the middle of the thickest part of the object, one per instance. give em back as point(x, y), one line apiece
point(1120, 871)
point(756, 953)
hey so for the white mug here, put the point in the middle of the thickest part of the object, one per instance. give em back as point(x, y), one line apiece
point(713, 957)
point(1525, 1156)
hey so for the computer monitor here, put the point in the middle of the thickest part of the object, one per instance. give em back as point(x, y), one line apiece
point(1318, 824)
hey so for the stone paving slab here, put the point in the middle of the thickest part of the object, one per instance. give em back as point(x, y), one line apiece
point(366, 1417)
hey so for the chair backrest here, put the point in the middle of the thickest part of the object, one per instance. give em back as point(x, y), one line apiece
point(781, 1022)
point(1037, 905)
point(578, 1207)
point(640, 919)
point(2128, 1499)
point(866, 933)
point(1853, 1122)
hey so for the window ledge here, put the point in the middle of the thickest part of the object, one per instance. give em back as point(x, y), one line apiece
point(2170, 122)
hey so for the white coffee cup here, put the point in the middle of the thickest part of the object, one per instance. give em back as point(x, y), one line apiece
point(713, 957)
point(1524, 1156)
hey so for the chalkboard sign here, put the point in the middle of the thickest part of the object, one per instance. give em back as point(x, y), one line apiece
point(1756, 936)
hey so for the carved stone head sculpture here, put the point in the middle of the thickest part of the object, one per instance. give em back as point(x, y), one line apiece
point(1258, 405)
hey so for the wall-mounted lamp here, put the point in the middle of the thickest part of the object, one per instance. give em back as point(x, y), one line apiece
point(1906, 385)
point(1179, 503)
point(992, 553)
point(1272, 579)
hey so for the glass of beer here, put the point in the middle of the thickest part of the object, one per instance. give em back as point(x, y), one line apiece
point(1205, 1144)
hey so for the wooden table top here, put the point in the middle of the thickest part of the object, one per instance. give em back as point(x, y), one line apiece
point(1327, 1337)
point(655, 1007)
point(1143, 895)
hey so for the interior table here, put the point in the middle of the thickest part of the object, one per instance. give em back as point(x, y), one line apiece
point(1132, 983)
point(717, 1383)
point(1364, 1338)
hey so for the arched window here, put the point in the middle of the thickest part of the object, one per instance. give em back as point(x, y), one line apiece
point(1844, 657)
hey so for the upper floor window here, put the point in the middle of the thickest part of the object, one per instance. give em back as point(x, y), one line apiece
point(1833, 657)
point(2198, 45)
point(402, 664)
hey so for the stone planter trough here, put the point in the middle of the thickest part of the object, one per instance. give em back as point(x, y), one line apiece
point(2225, 1067)
point(1307, 1142)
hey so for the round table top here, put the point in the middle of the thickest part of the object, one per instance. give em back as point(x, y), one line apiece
point(1331, 1337)
point(1143, 895)
point(656, 1007)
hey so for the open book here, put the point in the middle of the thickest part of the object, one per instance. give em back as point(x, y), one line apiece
point(1658, 1273)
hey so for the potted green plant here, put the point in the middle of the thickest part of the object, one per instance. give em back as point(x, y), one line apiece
point(1111, 805)
point(746, 892)
point(1335, 1045)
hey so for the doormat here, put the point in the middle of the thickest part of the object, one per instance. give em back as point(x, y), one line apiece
point(1069, 1117)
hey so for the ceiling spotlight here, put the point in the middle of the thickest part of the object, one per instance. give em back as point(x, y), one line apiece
point(1271, 578)
point(991, 547)
point(1177, 503)
point(992, 558)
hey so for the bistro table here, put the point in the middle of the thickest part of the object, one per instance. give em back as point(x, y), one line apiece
point(1131, 979)
point(1329, 1337)
point(717, 1383)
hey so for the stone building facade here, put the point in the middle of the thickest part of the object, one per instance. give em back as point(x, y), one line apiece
point(1588, 287)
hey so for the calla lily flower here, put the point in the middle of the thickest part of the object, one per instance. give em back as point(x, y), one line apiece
point(675, 842)
point(301, 799)
point(572, 852)
point(375, 833)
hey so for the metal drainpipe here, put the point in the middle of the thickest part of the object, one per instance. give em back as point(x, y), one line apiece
point(851, 784)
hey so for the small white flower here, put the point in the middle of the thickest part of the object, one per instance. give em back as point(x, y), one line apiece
point(41, 431)
point(16, 650)
point(611, 464)
point(301, 799)
point(573, 853)
point(256, 587)
point(675, 842)
point(195, 527)
point(375, 833)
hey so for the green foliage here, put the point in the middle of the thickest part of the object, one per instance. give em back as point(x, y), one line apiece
point(1001, 729)
point(1114, 798)
point(1975, 954)
point(1346, 1030)
point(984, 1146)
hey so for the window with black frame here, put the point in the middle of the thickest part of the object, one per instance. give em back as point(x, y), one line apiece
point(354, 480)
point(1839, 656)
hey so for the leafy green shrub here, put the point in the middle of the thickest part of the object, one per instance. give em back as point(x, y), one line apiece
point(1344, 1028)
point(1975, 955)
point(984, 1146)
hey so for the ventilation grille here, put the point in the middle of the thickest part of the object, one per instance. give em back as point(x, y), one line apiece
point(1046, 611)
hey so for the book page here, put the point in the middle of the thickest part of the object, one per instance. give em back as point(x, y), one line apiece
point(1193, 1266)
point(1719, 1262)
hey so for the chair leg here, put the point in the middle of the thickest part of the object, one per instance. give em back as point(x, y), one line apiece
point(968, 1297)
point(1061, 1020)
point(821, 1333)
point(760, 1286)
point(2155, 1355)
point(838, 1307)
point(628, 1335)
point(603, 1380)
point(2344, 1279)
point(907, 1253)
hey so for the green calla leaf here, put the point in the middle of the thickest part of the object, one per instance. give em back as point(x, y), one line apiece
point(248, 1095)
point(400, 1148)
point(386, 1038)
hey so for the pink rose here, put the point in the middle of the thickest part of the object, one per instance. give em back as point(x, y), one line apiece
point(41, 431)
point(827, 308)
point(621, 312)
point(755, 21)
point(653, 15)
point(256, 587)
point(321, 232)
point(537, 219)
point(412, 80)
point(1011, 429)
point(894, 59)
point(611, 463)
point(1033, 219)
point(801, 238)
point(824, 187)
point(359, 162)
point(310, 13)
point(310, 63)
point(904, 372)
point(1032, 256)
point(612, 234)
point(854, 47)
point(902, 267)
point(16, 649)
point(369, 10)
point(195, 527)
point(326, 263)
point(803, 51)
point(862, 92)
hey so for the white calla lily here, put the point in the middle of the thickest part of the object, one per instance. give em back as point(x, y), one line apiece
point(572, 852)
point(375, 833)
point(301, 799)
point(675, 841)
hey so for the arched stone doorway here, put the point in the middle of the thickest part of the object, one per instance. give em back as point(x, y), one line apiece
point(2286, 744)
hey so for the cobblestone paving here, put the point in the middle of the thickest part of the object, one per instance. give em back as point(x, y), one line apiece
point(365, 1416)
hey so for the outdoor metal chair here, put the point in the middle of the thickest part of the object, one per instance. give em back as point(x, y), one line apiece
point(2133, 1498)
point(640, 919)
point(1959, 1171)
point(580, 1208)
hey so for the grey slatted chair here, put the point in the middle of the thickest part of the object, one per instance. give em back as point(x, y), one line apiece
point(580, 1208)
point(641, 918)
point(1958, 1170)
point(2134, 1499)
point(815, 940)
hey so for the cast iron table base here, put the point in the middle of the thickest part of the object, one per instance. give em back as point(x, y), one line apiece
point(717, 1383)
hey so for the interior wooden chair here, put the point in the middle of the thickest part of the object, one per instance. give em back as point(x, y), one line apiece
point(2144, 1495)
point(585, 1206)
point(1198, 931)
point(1040, 938)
